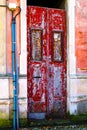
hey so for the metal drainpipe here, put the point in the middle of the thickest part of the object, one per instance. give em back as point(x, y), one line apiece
point(15, 70)
point(15, 75)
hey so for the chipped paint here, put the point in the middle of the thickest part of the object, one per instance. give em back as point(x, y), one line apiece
point(37, 69)
point(46, 78)
point(57, 81)
point(56, 69)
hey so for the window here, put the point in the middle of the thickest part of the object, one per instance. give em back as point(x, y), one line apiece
point(57, 46)
point(36, 44)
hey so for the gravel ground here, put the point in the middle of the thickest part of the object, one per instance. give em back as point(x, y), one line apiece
point(82, 127)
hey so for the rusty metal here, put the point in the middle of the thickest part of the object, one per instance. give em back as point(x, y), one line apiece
point(46, 78)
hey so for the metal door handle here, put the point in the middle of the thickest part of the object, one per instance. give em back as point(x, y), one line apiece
point(36, 76)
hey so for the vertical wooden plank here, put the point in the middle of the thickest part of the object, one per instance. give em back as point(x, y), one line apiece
point(36, 69)
point(56, 68)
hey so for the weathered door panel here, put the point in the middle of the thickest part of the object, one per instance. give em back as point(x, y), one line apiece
point(37, 54)
point(56, 61)
point(46, 61)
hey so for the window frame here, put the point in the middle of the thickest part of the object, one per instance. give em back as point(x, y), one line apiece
point(31, 30)
point(62, 46)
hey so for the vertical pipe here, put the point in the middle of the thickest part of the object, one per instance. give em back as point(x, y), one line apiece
point(17, 78)
point(15, 75)
point(13, 47)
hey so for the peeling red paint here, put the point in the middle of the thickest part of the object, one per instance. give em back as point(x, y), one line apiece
point(46, 78)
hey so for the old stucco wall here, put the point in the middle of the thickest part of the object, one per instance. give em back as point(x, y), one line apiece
point(81, 54)
point(2, 38)
point(6, 82)
point(81, 36)
point(3, 82)
point(21, 48)
point(77, 53)
point(71, 60)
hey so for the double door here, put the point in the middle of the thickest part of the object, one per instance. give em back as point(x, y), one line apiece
point(46, 62)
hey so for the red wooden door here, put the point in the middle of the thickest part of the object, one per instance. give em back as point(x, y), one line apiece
point(46, 61)
point(56, 41)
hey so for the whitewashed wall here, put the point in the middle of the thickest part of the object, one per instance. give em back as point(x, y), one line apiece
point(6, 82)
point(23, 62)
point(71, 59)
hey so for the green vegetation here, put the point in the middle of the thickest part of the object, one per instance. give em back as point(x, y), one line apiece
point(82, 118)
point(3, 115)
point(69, 120)
point(5, 124)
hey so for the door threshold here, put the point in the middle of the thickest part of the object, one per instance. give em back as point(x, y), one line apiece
point(37, 115)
